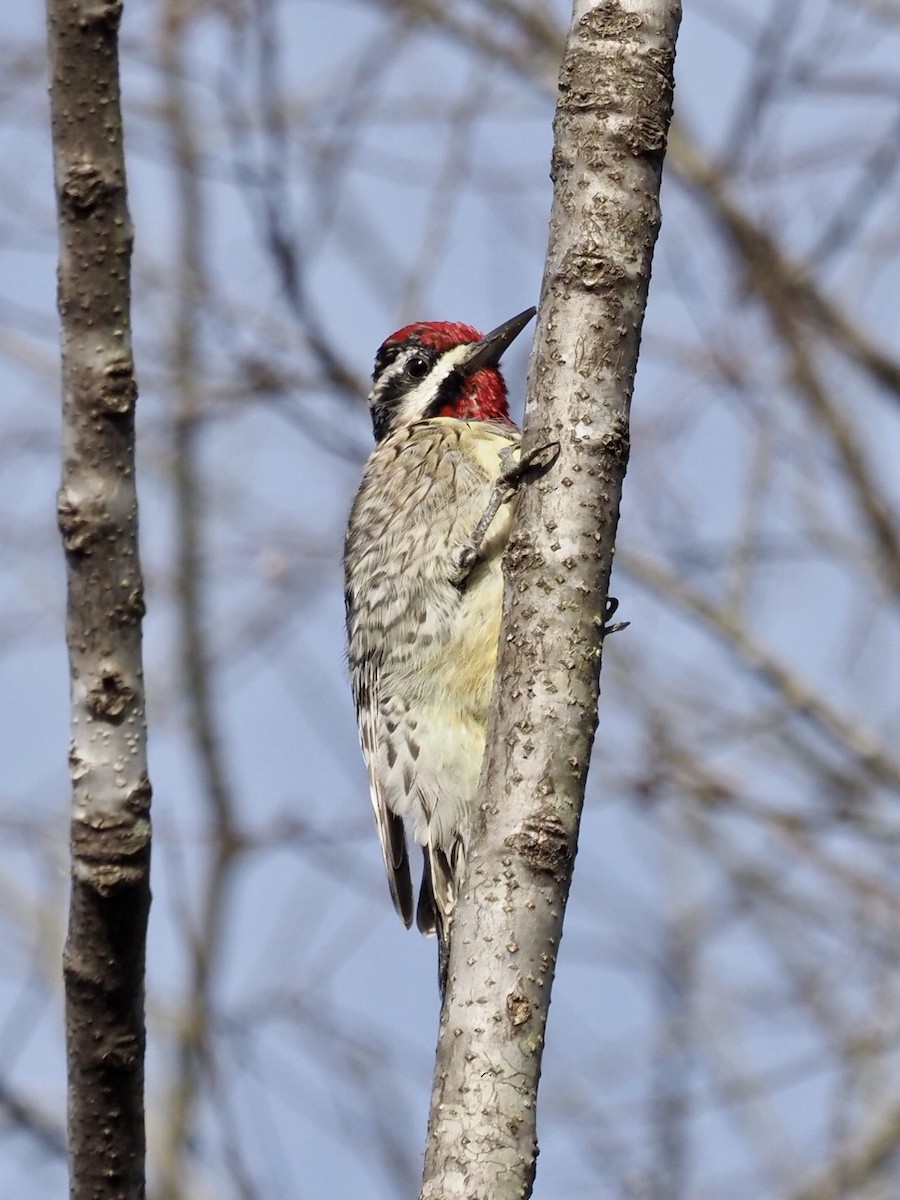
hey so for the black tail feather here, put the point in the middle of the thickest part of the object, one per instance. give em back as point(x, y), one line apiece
point(437, 897)
point(443, 940)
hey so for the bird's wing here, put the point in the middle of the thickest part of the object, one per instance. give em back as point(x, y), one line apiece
point(374, 737)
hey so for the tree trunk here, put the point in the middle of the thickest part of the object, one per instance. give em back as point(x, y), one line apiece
point(614, 107)
point(97, 509)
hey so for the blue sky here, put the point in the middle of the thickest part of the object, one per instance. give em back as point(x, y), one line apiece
point(415, 182)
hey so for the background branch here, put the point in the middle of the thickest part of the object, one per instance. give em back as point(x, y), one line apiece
point(97, 510)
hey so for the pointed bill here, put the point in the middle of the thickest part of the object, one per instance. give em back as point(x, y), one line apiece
point(488, 351)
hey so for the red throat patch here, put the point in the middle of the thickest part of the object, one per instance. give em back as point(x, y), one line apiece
point(483, 398)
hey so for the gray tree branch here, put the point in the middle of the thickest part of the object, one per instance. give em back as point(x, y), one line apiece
point(614, 107)
point(97, 509)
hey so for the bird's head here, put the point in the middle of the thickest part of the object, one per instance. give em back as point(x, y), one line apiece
point(441, 369)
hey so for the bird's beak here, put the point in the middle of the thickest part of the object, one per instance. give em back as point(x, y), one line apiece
point(488, 351)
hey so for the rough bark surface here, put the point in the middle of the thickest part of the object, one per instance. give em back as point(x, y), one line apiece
point(97, 511)
point(614, 107)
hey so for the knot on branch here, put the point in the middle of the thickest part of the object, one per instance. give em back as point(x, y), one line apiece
point(84, 187)
point(119, 386)
point(616, 441)
point(132, 609)
point(111, 847)
point(581, 86)
point(543, 843)
point(109, 696)
point(589, 269)
point(76, 527)
point(105, 15)
point(637, 104)
point(518, 1007)
point(608, 20)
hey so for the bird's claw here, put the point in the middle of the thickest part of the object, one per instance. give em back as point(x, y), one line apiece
point(465, 561)
point(609, 610)
point(534, 461)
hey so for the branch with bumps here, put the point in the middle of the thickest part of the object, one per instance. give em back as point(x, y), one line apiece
point(614, 107)
point(97, 509)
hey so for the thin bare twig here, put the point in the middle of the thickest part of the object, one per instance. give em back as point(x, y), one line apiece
point(196, 664)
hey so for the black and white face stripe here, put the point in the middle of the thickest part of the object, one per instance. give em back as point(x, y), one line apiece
point(413, 382)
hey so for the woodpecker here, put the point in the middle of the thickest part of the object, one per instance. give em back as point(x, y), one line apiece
point(424, 591)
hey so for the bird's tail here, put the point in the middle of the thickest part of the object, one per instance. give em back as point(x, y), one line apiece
point(437, 900)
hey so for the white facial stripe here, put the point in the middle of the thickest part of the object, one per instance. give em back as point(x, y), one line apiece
point(418, 401)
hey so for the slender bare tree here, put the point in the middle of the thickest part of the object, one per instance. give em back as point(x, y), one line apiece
point(615, 103)
point(97, 508)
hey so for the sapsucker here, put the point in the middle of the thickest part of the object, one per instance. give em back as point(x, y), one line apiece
point(424, 592)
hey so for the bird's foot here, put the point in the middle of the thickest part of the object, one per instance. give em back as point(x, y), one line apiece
point(514, 471)
point(609, 611)
point(532, 462)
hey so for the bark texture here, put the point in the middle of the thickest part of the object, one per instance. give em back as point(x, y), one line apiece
point(614, 107)
point(97, 511)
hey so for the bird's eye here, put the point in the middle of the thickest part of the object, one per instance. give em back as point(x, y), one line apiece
point(418, 367)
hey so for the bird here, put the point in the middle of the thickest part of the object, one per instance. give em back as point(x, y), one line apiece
point(424, 593)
